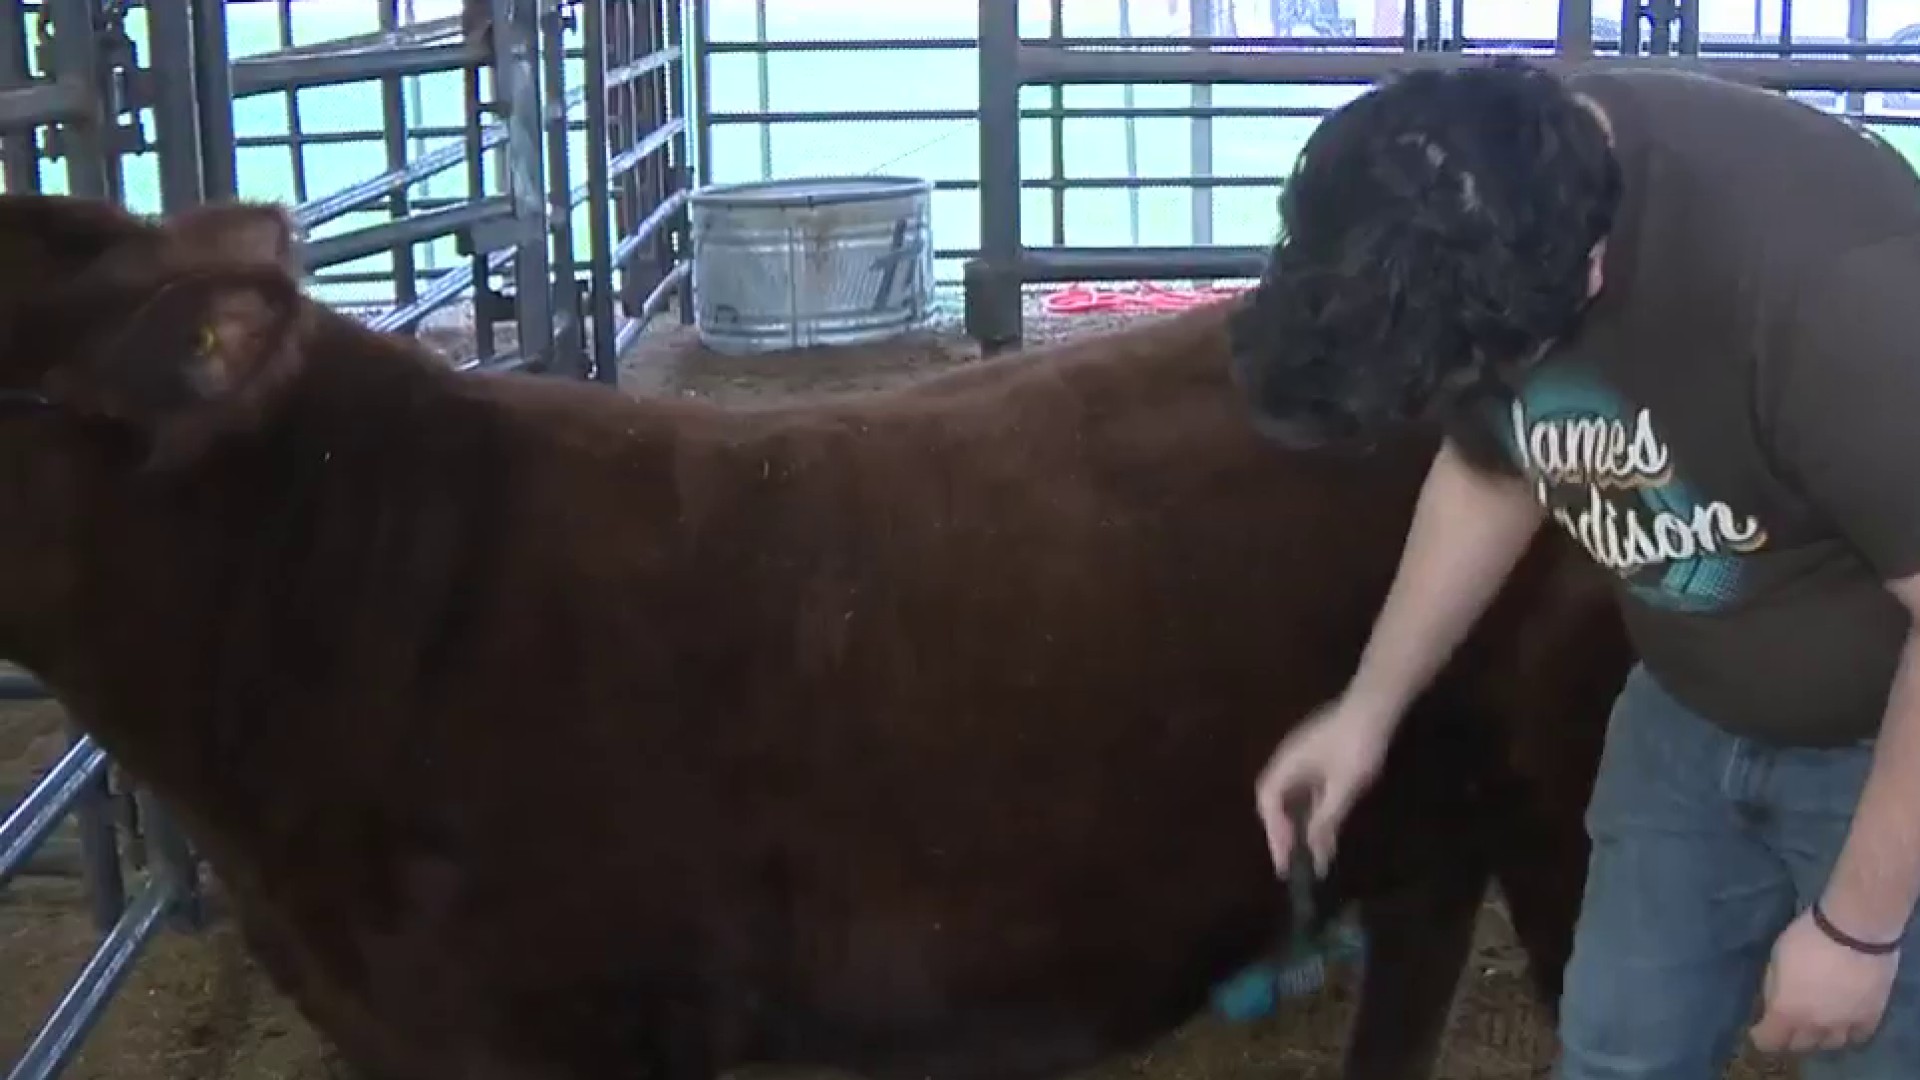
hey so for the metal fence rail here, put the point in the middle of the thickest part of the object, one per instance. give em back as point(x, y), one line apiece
point(78, 785)
point(1656, 34)
point(530, 160)
point(1130, 139)
point(417, 234)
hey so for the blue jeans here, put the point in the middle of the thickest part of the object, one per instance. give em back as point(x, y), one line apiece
point(1705, 846)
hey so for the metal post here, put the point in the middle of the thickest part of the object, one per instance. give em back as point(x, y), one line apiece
point(627, 124)
point(1575, 37)
point(569, 355)
point(99, 845)
point(516, 74)
point(1689, 15)
point(1200, 136)
point(766, 88)
point(1661, 14)
point(702, 66)
point(679, 231)
point(478, 261)
point(175, 861)
point(599, 194)
point(213, 85)
point(176, 116)
point(85, 141)
point(656, 169)
point(1856, 33)
point(393, 109)
point(1057, 122)
point(1128, 101)
point(296, 135)
point(19, 150)
point(615, 49)
point(993, 280)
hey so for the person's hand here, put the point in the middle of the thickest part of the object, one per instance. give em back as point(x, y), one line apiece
point(1819, 994)
point(1334, 754)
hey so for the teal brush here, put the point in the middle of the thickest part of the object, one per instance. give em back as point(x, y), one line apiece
point(1300, 968)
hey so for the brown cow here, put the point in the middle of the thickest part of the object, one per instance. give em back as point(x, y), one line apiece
point(539, 732)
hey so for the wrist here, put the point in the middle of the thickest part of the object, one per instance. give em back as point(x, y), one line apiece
point(1376, 708)
point(1852, 923)
point(1877, 945)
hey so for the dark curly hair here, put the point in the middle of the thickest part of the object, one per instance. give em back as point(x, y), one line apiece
point(1435, 233)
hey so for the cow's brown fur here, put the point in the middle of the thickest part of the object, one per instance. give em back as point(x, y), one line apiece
point(543, 733)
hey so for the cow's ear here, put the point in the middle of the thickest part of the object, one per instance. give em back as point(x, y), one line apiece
point(196, 357)
point(237, 232)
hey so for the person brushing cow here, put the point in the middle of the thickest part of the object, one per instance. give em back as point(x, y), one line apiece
point(1673, 316)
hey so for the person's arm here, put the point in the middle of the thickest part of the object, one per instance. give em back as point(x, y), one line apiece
point(1469, 529)
point(1876, 881)
point(1470, 525)
point(1841, 417)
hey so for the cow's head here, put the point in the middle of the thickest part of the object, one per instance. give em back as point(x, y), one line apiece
point(128, 348)
point(169, 333)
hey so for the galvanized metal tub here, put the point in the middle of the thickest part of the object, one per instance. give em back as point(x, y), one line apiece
point(787, 264)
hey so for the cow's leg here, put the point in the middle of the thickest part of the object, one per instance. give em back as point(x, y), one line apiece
point(1418, 941)
point(681, 1047)
point(1542, 879)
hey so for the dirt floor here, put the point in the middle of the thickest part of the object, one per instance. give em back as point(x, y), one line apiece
point(195, 1007)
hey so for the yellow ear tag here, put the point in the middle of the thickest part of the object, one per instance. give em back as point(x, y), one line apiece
point(208, 342)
